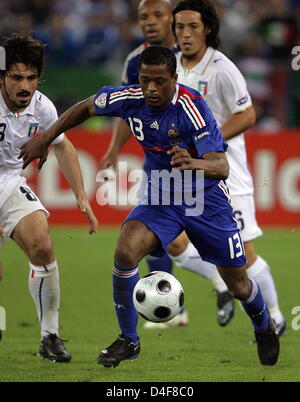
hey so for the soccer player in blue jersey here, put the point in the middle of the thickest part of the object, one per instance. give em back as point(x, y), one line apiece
point(155, 20)
point(180, 113)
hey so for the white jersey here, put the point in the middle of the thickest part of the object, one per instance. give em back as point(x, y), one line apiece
point(224, 88)
point(16, 129)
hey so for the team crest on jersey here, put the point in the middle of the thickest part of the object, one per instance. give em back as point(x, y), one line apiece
point(202, 87)
point(33, 129)
point(101, 100)
point(175, 137)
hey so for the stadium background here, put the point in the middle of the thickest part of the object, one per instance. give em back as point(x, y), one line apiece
point(87, 42)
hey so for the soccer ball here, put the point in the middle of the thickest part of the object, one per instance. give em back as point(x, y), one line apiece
point(158, 296)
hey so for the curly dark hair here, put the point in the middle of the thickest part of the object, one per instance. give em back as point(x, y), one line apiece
point(209, 17)
point(23, 48)
point(157, 56)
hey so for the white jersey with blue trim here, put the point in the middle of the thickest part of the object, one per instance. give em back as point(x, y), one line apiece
point(186, 121)
point(224, 88)
point(17, 128)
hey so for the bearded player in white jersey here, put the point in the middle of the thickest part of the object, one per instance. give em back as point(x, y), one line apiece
point(201, 66)
point(25, 111)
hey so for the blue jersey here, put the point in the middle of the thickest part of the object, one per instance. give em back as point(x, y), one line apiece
point(187, 121)
point(130, 75)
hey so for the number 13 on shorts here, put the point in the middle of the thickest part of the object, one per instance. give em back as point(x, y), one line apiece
point(236, 246)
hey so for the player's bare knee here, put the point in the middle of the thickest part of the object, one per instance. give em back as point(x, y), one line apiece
point(40, 252)
point(240, 289)
point(125, 256)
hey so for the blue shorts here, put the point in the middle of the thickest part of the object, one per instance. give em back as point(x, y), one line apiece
point(214, 233)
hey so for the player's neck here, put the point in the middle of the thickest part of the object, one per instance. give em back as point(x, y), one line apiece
point(190, 61)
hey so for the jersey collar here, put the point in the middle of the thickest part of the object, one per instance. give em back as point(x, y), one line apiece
point(203, 63)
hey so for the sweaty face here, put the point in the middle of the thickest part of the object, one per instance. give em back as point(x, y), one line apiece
point(158, 85)
point(18, 86)
point(190, 32)
point(155, 20)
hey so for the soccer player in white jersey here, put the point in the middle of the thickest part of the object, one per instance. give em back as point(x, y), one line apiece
point(201, 66)
point(23, 112)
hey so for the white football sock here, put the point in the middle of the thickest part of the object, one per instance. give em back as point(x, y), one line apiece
point(44, 288)
point(261, 273)
point(191, 260)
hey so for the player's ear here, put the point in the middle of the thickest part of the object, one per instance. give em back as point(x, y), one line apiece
point(175, 78)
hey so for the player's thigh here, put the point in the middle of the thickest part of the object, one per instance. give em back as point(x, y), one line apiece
point(20, 203)
point(244, 212)
point(162, 221)
point(136, 240)
point(178, 245)
point(250, 253)
point(32, 232)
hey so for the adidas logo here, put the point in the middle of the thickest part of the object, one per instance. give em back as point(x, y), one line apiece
point(154, 125)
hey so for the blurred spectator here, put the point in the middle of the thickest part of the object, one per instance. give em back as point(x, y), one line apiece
point(259, 35)
point(61, 48)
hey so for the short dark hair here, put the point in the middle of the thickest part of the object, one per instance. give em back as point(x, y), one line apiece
point(209, 17)
point(158, 55)
point(22, 48)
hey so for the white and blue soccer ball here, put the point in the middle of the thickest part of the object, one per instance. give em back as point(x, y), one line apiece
point(158, 296)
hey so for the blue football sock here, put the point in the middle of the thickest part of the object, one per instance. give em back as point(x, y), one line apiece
point(124, 281)
point(163, 263)
point(255, 307)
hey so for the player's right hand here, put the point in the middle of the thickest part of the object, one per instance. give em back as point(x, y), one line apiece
point(107, 161)
point(35, 148)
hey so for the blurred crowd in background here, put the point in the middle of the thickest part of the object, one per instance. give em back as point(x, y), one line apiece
point(258, 35)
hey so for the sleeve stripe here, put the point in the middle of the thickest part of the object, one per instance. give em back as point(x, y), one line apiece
point(126, 97)
point(187, 111)
point(127, 91)
point(197, 116)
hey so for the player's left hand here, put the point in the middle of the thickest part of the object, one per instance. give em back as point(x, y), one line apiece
point(181, 158)
point(35, 148)
point(85, 207)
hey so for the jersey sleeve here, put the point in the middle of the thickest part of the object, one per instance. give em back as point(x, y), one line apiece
point(204, 130)
point(49, 117)
point(232, 87)
point(111, 101)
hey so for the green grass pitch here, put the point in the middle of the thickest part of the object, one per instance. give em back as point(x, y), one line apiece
point(200, 352)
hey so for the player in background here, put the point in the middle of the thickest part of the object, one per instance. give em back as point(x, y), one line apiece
point(203, 67)
point(155, 20)
point(179, 111)
point(23, 112)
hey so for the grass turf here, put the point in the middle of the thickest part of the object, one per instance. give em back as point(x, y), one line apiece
point(200, 352)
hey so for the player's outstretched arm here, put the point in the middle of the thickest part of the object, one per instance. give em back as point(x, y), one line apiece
point(214, 164)
point(37, 147)
point(69, 165)
point(120, 136)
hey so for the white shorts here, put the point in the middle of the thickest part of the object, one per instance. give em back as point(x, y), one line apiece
point(21, 202)
point(244, 212)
